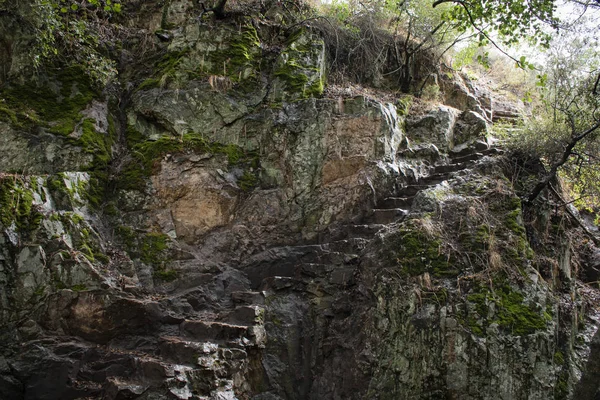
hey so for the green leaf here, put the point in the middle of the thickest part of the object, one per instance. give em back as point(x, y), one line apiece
point(74, 7)
point(541, 80)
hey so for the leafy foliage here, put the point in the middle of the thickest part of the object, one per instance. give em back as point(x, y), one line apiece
point(564, 128)
point(514, 20)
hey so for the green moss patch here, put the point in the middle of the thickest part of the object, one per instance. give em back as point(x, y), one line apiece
point(235, 54)
point(95, 143)
point(561, 389)
point(416, 252)
point(78, 288)
point(150, 248)
point(16, 204)
point(8, 115)
point(85, 240)
point(477, 239)
point(248, 181)
point(297, 79)
point(165, 275)
point(146, 155)
point(55, 104)
point(497, 229)
point(513, 230)
point(238, 58)
point(511, 313)
point(296, 67)
point(128, 238)
point(80, 191)
point(165, 70)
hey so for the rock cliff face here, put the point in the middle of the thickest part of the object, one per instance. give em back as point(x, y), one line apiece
point(219, 229)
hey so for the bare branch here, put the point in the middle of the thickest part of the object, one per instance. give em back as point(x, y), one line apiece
point(575, 139)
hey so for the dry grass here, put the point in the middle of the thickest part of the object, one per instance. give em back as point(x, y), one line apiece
point(219, 83)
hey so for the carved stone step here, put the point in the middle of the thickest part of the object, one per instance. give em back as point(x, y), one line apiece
point(262, 269)
point(119, 388)
point(335, 274)
point(435, 178)
point(338, 258)
point(481, 145)
point(367, 231)
point(212, 331)
point(388, 215)
point(506, 116)
point(206, 365)
point(492, 151)
point(315, 270)
point(412, 190)
point(480, 150)
point(277, 283)
point(181, 351)
point(447, 168)
point(396, 202)
point(248, 297)
point(467, 158)
point(192, 280)
point(352, 245)
point(284, 263)
point(346, 232)
point(246, 315)
point(460, 151)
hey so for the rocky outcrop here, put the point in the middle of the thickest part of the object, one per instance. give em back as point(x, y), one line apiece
point(218, 231)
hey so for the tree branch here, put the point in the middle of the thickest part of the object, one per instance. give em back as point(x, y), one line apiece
point(438, 2)
point(575, 217)
point(564, 158)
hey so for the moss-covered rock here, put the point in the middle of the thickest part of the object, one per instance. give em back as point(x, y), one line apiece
point(417, 251)
point(17, 208)
point(54, 101)
point(147, 154)
point(300, 68)
point(199, 52)
point(151, 248)
point(507, 308)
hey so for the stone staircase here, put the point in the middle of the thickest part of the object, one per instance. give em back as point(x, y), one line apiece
point(320, 273)
point(207, 351)
point(182, 368)
point(192, 359)
point(335, 258)
point(185, 353)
